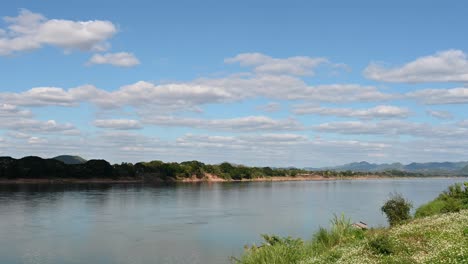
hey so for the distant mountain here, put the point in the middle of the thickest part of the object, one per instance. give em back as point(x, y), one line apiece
point(464, 171)
point(68, 159)
point(436, 166)
point(428, 167)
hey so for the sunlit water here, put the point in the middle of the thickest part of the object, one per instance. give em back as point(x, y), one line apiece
point(184, 223)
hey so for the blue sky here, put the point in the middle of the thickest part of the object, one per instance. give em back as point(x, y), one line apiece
point(291, 83)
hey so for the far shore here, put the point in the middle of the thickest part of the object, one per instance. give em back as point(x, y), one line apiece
point(209, 178)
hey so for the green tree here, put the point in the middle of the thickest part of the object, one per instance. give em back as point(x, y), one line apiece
point(397, 209)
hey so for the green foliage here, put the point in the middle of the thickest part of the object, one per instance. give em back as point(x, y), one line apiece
point(454, 199)
point(341, 230)
point(382, 244)
point(68, 159)
point(272, 240)
point(431, 208)
point(397, 209)
point(35, 167)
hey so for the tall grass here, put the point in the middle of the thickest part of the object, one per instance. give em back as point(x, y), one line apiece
point(287, 250)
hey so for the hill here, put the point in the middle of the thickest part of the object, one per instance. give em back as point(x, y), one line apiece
point(453, 168)
point(464, 171)
point(68, 159)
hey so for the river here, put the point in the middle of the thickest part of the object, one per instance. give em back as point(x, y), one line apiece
point(183, 223)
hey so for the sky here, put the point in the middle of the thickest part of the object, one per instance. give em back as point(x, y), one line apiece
point(263, 83)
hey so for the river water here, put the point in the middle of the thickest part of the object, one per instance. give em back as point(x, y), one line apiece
point(184, 223)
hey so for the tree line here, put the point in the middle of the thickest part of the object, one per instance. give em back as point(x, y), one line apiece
point(39, 168)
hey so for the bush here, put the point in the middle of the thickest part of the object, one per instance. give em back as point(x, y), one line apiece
point(454, 199)
point(382, 244)
point(432, 208)
point(397, 209)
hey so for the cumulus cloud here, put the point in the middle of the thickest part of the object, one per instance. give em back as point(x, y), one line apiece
point(12, 111)
point(270, 107)
point(273, 149)
point(381, 111)
point(463, 123)
point(37, 140)
point(29, 31)
point(440, 96)
point(37, 126)
point(394, 128)
point(439, 114)
point(249, 123)
point(120, 59)
point(52, 96)
point(119, 124)
point(299, 65)
point(445, 66)
point(190, 95)
point(17, 120)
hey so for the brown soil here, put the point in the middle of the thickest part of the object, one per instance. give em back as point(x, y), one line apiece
point(193, 179)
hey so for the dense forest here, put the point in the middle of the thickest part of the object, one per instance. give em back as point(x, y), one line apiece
point(38, 168)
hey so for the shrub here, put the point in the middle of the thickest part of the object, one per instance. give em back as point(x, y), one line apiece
point(397, 209)
point(454, 199)
point(432, 208)
point(382, 244)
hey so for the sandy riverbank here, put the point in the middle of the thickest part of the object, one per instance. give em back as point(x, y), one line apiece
point(207, 178)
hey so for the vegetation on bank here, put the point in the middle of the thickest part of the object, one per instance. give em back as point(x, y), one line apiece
point(441, 237)
point(454, 199)
point(38, 168)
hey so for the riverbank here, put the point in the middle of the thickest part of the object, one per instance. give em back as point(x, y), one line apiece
point(438, 233)
point(437, 239)
point(302, 177)
point(209, 178)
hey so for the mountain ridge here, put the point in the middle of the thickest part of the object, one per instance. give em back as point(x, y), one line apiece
point(460, 167)
point(70, 159)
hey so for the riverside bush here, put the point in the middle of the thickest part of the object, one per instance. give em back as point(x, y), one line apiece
point(397, 209)
point(382, 244)
point(454, 199)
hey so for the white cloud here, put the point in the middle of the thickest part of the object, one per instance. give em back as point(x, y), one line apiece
point(12, 111)
point(439, 114)
point(270, 107)
point(463, 123)
point(37, 140)
point(393, 128)
point(445, 66)
point(37, 126)
point(18, 121)
point(381, 111)
point(30, 31)
point(120, 59)
point(259, 150)
point(190, 95)
point(299, 65)
point(440, 96)
point(249, 123)
point(120, 124)
point(52, 96)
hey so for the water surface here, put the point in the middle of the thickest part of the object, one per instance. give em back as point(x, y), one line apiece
point(185, 223)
